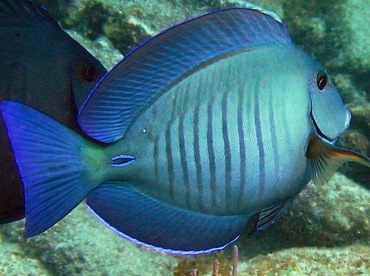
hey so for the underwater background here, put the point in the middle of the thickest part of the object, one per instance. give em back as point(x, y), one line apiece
point(327, 230)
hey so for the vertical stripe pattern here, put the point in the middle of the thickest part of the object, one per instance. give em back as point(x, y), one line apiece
point(260, 145)
point(183, 146)
point(211, 153)
point(196, 150)
point(169, 158)
point(219, 146)
point(226, 145)
point(273, 138)
point(242, 146)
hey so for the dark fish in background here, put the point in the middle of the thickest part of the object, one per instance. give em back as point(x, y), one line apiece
point(211, 127)
point(43, 67)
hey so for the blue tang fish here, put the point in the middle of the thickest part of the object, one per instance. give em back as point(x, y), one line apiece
point(45, 68)
point(209, 128)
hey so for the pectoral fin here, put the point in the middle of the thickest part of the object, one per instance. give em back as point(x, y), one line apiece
point(325, 159)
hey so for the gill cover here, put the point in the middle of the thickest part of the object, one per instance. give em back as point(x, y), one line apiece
point(328, 112)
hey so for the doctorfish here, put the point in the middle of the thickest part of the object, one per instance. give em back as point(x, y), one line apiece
point(206, 130)
point(45, 68)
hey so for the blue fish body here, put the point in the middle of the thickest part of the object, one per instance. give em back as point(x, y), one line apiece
point(221, 148)
point(45, 68)
point(209, 128)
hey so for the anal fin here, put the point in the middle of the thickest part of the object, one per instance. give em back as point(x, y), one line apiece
point(156, 225)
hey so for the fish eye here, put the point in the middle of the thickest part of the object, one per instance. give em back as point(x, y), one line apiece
point(321, 80)
point(87, 71)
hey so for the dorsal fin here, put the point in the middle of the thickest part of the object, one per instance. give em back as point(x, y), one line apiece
point(150, 68)
point(13, 10)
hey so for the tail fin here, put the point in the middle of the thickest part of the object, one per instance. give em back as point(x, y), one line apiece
point(50, 159)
